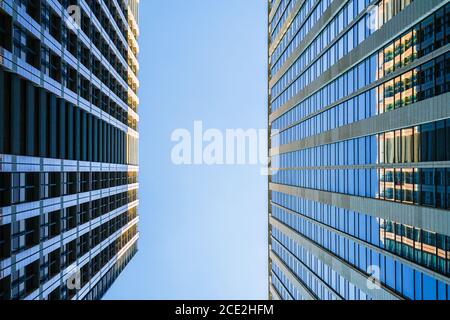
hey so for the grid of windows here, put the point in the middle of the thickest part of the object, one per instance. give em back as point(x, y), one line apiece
point(311, 64)
point(21, 187)
point(36, 122)
point(312, 117)
point(68, 145)
point(421, 83)
point(336, 167)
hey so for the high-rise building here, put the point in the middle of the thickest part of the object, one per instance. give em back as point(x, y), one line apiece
point(359, 198)
point(68, 146)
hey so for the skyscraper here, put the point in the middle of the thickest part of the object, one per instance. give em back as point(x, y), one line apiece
point(68, 146)
point(359, 115)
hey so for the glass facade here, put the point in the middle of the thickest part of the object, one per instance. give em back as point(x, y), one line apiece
point(340, 94)
point(68, 146)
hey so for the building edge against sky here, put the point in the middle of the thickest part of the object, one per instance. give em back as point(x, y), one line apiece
point(68, 146)
point(360, 149)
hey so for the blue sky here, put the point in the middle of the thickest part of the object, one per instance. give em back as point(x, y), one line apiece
point(203, 228)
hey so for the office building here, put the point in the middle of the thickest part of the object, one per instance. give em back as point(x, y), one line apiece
point(68, 146)
point(359, 198)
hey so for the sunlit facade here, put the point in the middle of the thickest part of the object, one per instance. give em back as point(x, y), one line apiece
point(360, 149)
point(68, 146)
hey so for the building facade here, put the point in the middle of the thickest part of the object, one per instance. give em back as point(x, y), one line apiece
point(68, 146)
point(359, 196)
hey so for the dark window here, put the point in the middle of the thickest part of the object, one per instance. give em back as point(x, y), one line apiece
point(447, 24)
point(26, 47)
point(55, 25)
point(440, 188)
point(61, 123)
point(439, 75)
point(24, 187)
point(25, 234)
point(426, 36)
point(32, 7)
point(69, 218)
point(441, 141)
point(43, 123)
point(428, 142)
point(50, 185)
point(439, 28)
point(55, 295)
point(5, 112)
point(5, 288)
point(428, 187)
point(426, 81)
point(5, 31)
point(448, 199)
point(5, 189)
point(5, 241)
point(84, 215)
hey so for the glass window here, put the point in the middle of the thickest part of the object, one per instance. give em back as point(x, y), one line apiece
point(407, 145)
point(389, 147)
point(427, 36)
point(428, 142)
point(429, 288)
point(428, 187)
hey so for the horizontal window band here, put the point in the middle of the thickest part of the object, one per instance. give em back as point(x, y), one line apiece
point(431, 219)
point(346, 270)
point(424, 111)
point(15, 67)
point(33, 209)
point(11, 163)
point(436, 275)
point(414, 12)
point(64, 238)
point(283, 286)
point(397, 73)
point(411, 165)
point(313, 274)
point(304, 291)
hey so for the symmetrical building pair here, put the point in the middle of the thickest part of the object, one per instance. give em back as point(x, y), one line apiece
point(359, 199)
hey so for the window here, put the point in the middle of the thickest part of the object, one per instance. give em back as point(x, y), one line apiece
point(32, 7)
point(389, 147)
point(70, 77)
point(428, 142)
point(5, 241)
point(55, 26)
point(5, 30)
point(439, 28)
point(25, 234)
point(69, 218)
point(26, 46)
point(426, 36)
point(24, 187)
point(428, 187)
point(407, 145)
point(50, 225)
point(50, 185)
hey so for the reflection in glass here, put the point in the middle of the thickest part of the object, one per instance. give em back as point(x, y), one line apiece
point(421, 246)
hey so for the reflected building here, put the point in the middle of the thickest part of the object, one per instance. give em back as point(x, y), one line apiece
point(359, 198)
point(68, 146)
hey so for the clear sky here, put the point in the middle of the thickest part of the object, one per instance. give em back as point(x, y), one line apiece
point(203, 228)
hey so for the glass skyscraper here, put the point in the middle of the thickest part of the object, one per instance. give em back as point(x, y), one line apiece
point(68, 146)
point(359, 114)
